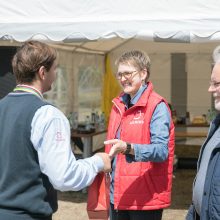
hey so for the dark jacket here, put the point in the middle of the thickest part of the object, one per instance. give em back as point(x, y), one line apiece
point(210, 209)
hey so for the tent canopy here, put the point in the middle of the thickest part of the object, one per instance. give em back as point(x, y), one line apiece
point(101, 26)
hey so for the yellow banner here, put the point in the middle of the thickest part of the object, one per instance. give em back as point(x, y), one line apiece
point(111, 88)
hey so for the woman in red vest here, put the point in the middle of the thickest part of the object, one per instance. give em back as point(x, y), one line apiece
point(141, 142)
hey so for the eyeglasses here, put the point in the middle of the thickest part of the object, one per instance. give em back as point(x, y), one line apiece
point(214, 84)
point(126, 75)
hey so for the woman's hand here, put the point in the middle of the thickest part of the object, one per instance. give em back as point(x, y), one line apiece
point(118, 146)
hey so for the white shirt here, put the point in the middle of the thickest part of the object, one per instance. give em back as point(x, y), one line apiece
point(50, 135)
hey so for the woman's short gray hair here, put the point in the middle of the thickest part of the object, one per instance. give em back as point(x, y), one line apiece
point(137, 58)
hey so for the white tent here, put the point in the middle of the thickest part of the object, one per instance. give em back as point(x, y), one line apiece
point(162, 28)
point(96, 20)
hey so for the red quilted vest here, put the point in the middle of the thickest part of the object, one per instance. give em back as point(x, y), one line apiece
point(140, 185)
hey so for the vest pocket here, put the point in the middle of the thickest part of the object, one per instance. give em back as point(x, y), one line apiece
point(214, 202)
point(216, 194)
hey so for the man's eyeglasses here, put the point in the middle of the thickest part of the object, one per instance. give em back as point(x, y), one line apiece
point(214, 84)
point(126, 75)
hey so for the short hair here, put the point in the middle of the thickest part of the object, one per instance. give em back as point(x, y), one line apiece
point(137, 58)
point(29, 58)
point(216, 55)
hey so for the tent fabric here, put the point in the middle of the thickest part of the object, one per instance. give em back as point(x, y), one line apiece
point(71, 21)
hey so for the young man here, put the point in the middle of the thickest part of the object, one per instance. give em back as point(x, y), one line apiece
point(35, 152)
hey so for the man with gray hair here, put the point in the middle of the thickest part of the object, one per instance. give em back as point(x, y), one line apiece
point(206, 187)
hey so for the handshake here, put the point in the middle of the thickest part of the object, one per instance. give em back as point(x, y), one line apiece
point(118, 146)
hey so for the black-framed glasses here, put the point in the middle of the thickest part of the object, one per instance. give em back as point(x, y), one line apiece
point(126, 75)
point(215, 85)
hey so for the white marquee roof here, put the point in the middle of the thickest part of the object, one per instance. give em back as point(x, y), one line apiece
point(103, 25)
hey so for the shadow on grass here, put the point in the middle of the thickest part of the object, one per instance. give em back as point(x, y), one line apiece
point(182, 188)
point(75, 197)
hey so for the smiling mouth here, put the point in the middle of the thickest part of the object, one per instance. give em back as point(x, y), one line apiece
point(126, 84)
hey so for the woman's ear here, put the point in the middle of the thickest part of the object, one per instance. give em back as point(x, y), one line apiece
point(144, 74)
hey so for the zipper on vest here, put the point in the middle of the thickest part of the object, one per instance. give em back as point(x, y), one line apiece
point(117, 108)
point(120, 114)
point(116, 209)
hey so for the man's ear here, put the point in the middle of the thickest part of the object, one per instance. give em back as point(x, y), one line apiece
point(41, 73)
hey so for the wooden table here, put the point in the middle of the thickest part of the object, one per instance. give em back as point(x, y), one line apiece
point(87, 140)
point(190, 134)
point(182, 132)
point(191, 125)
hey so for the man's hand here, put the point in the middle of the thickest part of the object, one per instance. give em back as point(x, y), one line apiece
point(107, 161)
point(118, 146)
